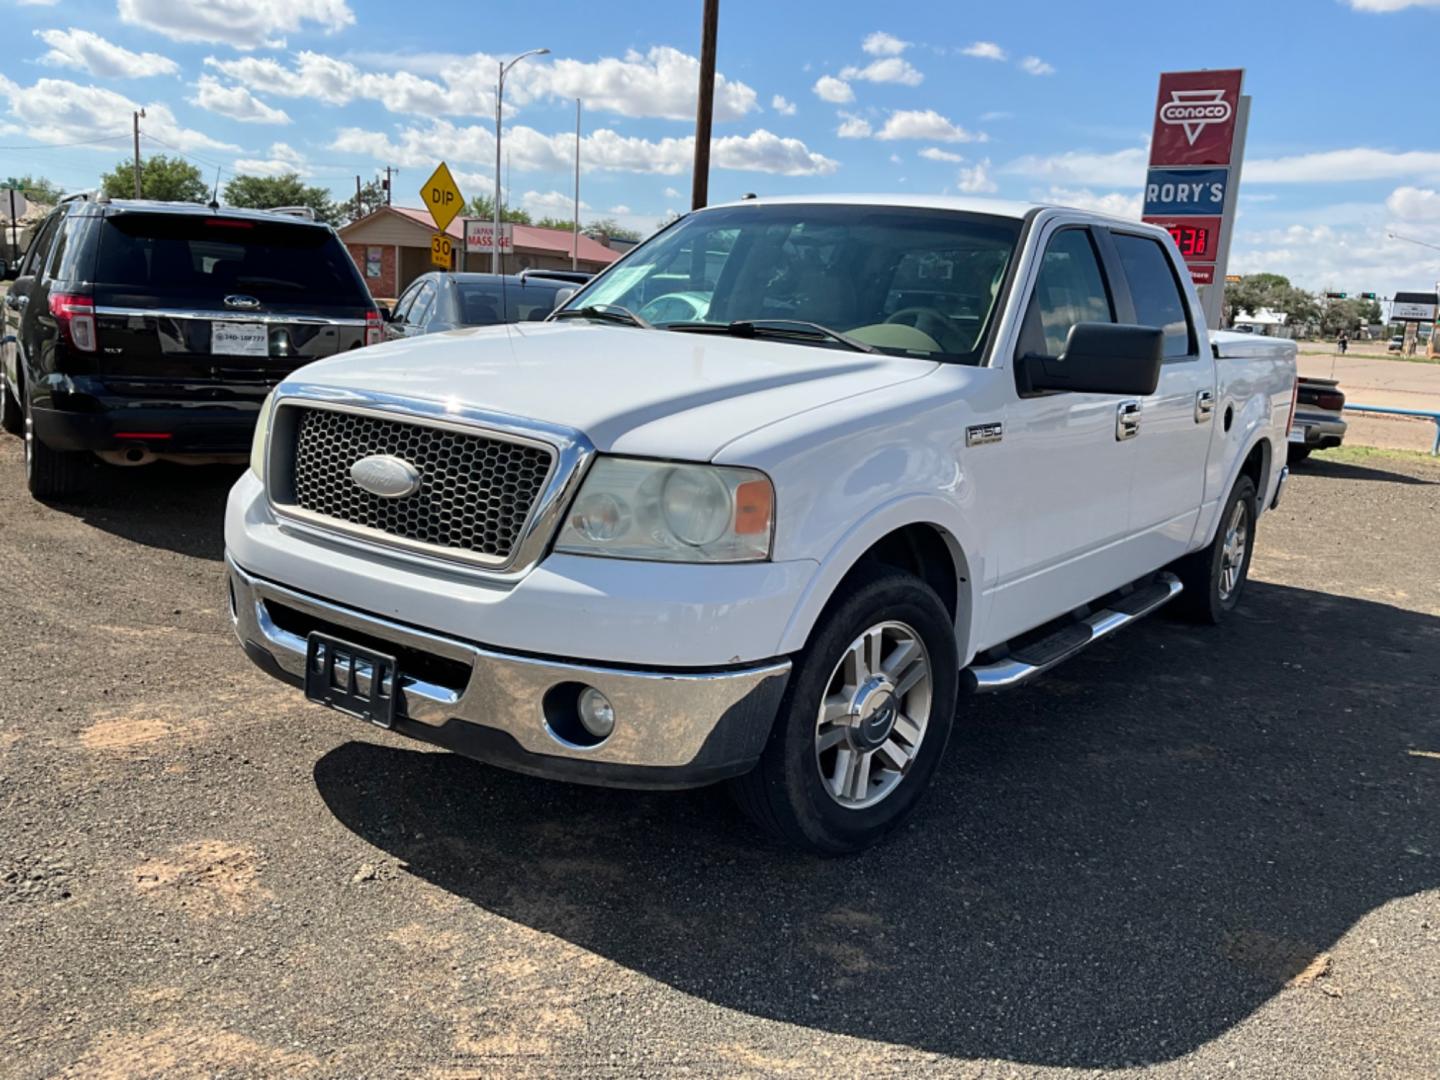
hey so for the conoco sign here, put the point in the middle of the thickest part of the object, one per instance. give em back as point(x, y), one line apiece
point(1195, 117)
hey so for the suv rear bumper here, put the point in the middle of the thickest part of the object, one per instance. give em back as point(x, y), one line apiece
point(673, 729)
point(197, 430)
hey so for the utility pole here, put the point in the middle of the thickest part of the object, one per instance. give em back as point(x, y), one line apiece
point(575, 238)
point(705, 106)
point(359, 210)
point(135, 118)
point(387, 183)
point(502, 67)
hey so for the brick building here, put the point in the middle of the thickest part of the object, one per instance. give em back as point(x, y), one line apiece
point(392, 248)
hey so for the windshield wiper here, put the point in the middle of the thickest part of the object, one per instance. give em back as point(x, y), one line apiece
point(773, 328)
point(604, 313)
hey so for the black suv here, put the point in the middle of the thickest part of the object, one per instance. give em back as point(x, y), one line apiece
point(143, 330)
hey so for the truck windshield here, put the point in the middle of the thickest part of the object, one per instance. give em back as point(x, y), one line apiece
point(906, 281)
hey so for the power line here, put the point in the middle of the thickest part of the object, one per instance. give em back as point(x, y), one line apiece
point(60, 146)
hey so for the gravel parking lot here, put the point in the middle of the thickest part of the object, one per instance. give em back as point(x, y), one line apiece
point(1189, 853)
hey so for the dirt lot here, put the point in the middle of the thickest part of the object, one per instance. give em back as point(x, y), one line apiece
point(1194, 852)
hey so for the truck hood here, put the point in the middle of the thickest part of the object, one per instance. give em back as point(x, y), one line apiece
point(647, 392)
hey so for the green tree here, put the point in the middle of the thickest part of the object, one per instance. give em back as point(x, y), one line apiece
point(372, 198)
point(483, 206)
point(1272, 291)
point(163, 178)
point(1347, 315)
point(39, 190)
point(267, 192)
point(609, 227)
point(555, 223)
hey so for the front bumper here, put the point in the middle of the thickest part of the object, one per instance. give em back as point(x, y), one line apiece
point(672, 729)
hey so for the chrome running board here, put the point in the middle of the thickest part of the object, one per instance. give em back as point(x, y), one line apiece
point(1031, 660)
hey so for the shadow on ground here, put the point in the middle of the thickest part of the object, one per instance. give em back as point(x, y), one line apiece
point(1115, 866)
point(1345, 470)
point(177, 507)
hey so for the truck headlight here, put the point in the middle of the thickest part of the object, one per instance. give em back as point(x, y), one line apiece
point(259, 443)
point(629, 508)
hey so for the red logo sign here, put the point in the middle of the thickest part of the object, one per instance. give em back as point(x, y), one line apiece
point(1202, 273)
point(1195, 117)
point(1198, 238)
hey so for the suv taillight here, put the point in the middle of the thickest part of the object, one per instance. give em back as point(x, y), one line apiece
point(1330, 400)
point(374, 327)
point(75, 314)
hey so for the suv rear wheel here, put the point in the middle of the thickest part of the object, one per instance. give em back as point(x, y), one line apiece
point(51, 474)
point(864, 721)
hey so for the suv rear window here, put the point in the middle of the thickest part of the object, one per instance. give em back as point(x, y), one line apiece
point(480, 304)
point(194, 255)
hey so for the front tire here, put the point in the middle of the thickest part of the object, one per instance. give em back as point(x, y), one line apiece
point(864, 722)
point(1215, 576)
point(51, 474)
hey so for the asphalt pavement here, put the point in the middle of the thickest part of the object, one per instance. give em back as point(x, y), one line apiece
point(1191, 852)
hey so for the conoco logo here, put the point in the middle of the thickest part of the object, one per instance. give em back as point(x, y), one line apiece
point(1193, 109)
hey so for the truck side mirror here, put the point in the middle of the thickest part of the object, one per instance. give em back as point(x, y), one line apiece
point(1100, 358)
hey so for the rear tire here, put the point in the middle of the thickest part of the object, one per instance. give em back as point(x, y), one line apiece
point(1215, 576)
point(51, 474)
point(12, 419)
point(864, 721)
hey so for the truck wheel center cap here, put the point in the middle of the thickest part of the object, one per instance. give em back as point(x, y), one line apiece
point(872, 713)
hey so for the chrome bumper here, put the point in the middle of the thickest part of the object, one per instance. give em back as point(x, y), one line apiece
point(672, 729)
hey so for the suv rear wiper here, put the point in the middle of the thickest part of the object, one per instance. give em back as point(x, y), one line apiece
point(773, 328)
point(605, 313)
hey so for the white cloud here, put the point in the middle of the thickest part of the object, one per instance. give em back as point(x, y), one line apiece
point(283, 159)
point(1357, 163)
point(990, 117)
point(235, 102)
point(555, 204)
point(1414, 204)
point(671, 193)
point(925, 124)
point(976, 181)
point(620, 208)
point(90, 53)
point(1385, 6)
point(882, 44)
point(60, 111)
point(602, 149)
point(985, 50)
point(934, 153)
point(891, 69)
point(659, 83)
point(1082, 168)
point(1115, 203)
point(836, 91)
point(896, 159)
point(36, 3)
point(1356, 257)
point(1033, 65)
point(853, 127)
point(782, 106)
point(245, 24)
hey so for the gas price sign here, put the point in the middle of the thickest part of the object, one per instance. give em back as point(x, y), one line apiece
point(1198, 238)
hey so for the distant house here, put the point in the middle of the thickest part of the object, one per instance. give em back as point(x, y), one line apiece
point(1266, 322)
point(392, 248)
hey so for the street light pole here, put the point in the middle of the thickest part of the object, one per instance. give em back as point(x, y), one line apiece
point(499, 95)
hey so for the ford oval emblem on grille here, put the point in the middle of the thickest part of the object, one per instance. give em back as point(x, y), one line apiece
point(242, 303)
point(385, 475)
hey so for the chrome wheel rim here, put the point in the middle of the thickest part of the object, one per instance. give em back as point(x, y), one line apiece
point(873, 716)
point(1232, 551)
point(29, 443)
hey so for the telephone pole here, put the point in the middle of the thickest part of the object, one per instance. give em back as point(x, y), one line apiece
point(575, 236)
point(135, 118)
point(388, 171)
point(359, 209)
point(705, 106)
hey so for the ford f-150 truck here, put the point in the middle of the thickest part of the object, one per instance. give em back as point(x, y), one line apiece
point(761, 501)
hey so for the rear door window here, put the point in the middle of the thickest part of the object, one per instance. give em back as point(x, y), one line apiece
point(421, 309)
point(1156, 292)
point(40, 246)
point(205, 257)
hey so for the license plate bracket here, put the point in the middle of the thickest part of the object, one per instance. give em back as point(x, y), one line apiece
point(239, 339)
point(1299, 433)
point(351, 679)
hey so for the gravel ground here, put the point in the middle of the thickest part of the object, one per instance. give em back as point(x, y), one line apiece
point(1192, 852)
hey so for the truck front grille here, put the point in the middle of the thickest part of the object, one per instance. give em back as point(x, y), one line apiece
point(475, 494)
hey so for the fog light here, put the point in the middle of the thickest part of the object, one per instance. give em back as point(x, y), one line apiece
point(596, 712)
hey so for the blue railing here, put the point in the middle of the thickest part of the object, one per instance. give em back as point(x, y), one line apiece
point(1425, 414)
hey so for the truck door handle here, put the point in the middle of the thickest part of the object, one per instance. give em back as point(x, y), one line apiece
point(1127, 420)
point(1204, 405)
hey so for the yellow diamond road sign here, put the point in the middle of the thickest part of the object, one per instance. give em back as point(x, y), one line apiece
point(440, 249)
point(442, 197)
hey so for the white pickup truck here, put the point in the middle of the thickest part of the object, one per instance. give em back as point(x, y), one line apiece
point(761, 501)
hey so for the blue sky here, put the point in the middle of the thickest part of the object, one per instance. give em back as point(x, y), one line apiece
point(1018, 99)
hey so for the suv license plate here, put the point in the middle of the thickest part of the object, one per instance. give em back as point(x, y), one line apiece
point(1299, 434)
point(352, 679)
point(239, 339)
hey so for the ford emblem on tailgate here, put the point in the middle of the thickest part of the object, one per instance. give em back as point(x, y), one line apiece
point(385, 475)
point(242, 303)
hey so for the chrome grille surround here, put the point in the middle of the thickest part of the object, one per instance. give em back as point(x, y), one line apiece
point(513, 528)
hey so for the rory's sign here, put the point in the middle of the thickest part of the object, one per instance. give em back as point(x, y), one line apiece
point(1195, 117)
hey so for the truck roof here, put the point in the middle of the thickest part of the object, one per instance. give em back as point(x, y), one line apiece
point(1011, 208)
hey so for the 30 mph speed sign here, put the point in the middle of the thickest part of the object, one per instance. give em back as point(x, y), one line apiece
point(440, 250)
